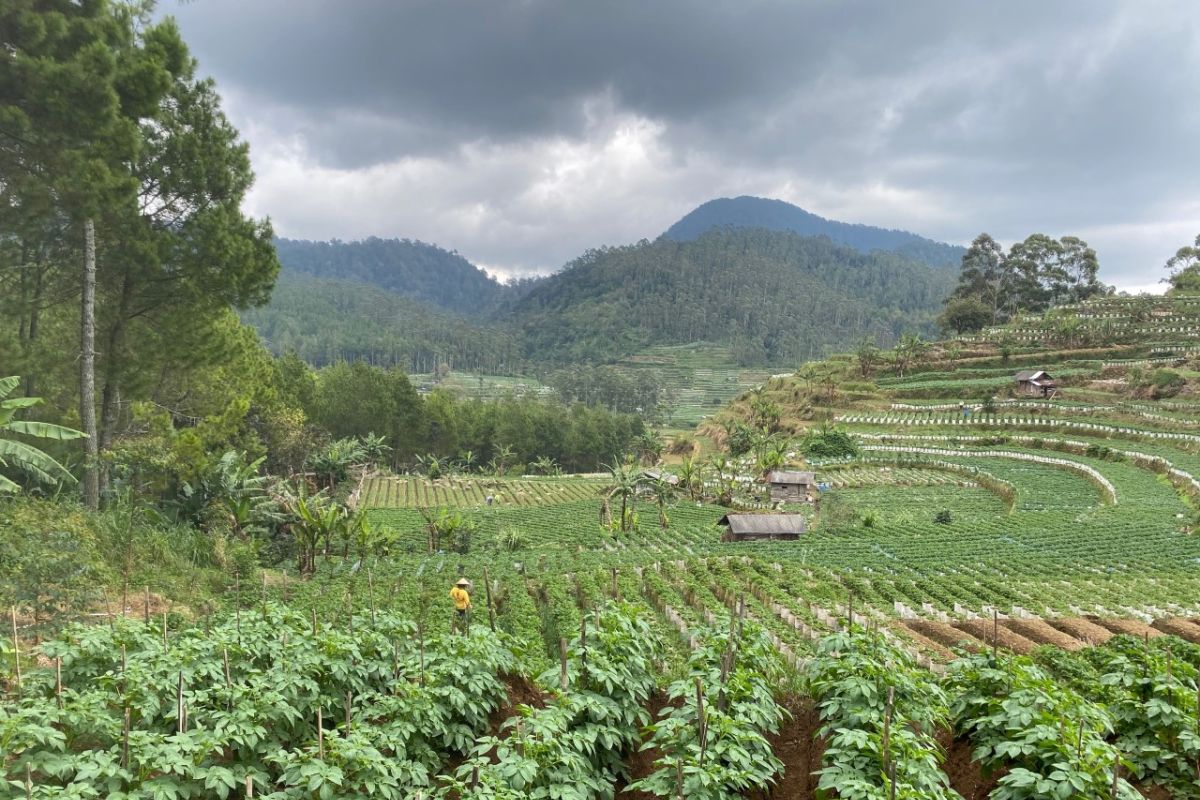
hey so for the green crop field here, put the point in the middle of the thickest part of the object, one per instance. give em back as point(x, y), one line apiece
point(462, 492)
point(996, 603)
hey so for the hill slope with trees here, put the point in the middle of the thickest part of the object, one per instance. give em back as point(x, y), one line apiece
point(324, 321)
point(776, 215)
point(424, 272)
point(775, 297)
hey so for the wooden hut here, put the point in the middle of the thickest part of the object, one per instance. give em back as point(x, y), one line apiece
point(762, 527)
point(1035, 382)
point(791, 486)
point(660, 475)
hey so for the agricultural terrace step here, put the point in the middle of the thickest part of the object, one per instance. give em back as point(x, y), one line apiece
point(1006, 421)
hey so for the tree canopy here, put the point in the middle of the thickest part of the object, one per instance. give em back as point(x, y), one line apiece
point(1034, 275)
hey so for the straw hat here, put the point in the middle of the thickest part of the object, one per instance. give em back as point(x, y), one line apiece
point(462, 582)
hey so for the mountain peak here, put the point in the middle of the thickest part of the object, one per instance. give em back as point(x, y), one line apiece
point(778, 215)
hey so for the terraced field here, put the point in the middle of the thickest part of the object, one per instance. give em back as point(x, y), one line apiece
point(386, 491)
point(905, 632)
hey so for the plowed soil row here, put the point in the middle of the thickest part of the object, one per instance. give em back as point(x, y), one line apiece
point(1023, 635)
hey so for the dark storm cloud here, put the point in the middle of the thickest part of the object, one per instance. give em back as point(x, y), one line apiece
point(521, 132)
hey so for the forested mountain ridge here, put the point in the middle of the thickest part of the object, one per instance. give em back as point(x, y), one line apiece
point(775, 297)
point(406, 267)
point(777, 215)
point(325, 321)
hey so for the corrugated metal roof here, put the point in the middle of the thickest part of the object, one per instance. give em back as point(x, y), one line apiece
point(658, 474)
point(1031, 374)
point(765, 523)
point(791, 476)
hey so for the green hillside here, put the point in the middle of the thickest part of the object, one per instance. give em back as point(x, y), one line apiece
point(324, 321)
point(776, 215)
point(772, 297)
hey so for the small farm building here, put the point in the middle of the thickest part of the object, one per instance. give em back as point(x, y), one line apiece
point(658, 474)
point(762, 527)
point(1036, 382)
point(791, 486)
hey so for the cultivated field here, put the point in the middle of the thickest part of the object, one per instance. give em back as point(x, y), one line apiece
point(999, 603)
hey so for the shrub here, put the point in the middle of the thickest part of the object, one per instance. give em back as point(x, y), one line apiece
point(1166, 383)
point(942, 517)
point(829, 442)
point(512, 539)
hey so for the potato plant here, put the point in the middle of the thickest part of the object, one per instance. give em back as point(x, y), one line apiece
point(294, 707)
point(714, 736)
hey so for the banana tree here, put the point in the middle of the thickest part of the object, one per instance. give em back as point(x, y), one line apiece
point(690, 477)
point(663, 492)
point(625, 484)
point(24, 457)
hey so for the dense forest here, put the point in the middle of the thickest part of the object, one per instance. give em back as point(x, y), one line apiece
point(125, 259)
point(776, 215)
point(326, 321)
point(421, 271)
point(776, 297)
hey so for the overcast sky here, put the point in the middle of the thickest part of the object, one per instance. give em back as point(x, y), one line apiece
point(522, 132)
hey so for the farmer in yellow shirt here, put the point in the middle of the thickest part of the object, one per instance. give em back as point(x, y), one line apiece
point(461, 596)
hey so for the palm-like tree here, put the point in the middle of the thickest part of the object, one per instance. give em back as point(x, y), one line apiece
point(24, 457)
point(724, 471)
point(375, 448)
point(545, 465)
point(433, 464)
point(690, 477)
point(663, 492)
point(331, 465)
point(625, 483)
point(499, 462)
point(649, 448)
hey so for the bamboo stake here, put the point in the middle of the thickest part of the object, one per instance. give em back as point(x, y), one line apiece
point(885, 747)
point(487, 588)
point(562, 663)
point(616, 588)
point(314, 622)
point(16, 651)
point(320, 735)
point(164, 631)
point(228, 679)
point(125, 740)
point(1116, 778)
point(28, 782)
point(421, 649)
point(249, 787)
point(146, 610)
point(108, 608)
point(702, 719)
point(995, 632)
point(371, 595)
point(180, 723)
point(58, 680)
point(583, 648)
point(349, 705)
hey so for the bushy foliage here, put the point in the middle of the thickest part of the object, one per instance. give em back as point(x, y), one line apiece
point(827, 443)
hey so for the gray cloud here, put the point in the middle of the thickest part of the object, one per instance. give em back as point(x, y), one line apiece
point(522, 131)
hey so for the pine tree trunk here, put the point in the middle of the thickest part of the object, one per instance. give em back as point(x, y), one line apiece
point(87, 369)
